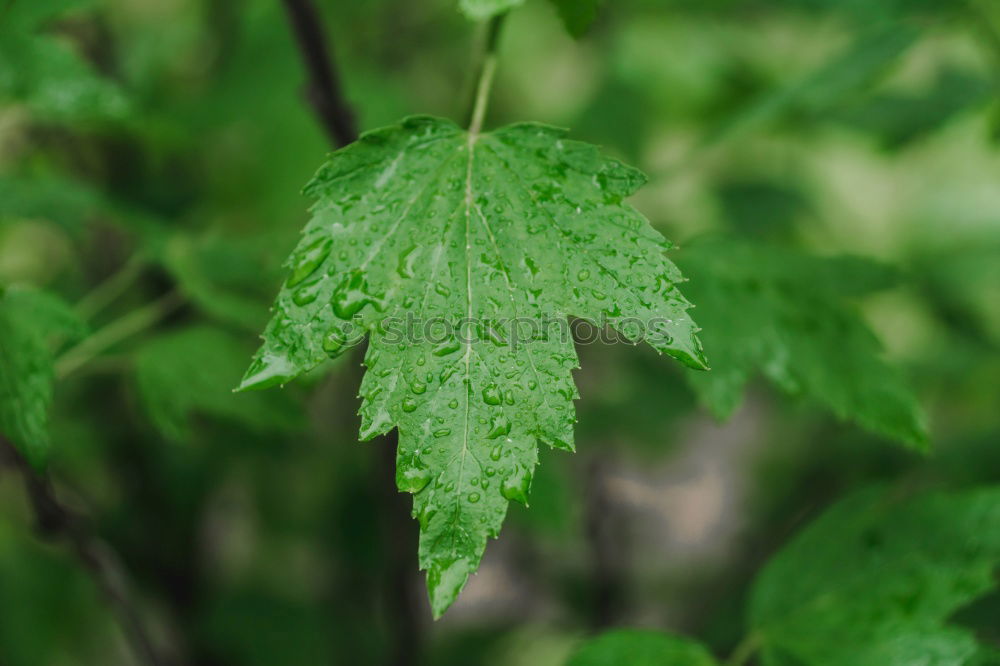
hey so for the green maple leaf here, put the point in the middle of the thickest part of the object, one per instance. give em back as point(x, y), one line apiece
point(481, 246)
point(479, 10)
point(577, 15)
point(29, 320)
point(875, 580)
point(788, 315)
point(640, 647)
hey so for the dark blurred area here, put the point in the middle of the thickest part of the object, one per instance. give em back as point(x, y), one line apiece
point(257, 530)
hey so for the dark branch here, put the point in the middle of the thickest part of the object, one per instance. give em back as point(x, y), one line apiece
point(402, 604)
point(324, 91)
point(606, 545)
point(401, 592)
point(54, 522)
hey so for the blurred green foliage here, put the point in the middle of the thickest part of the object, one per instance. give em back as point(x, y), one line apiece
point(173, 138)
point(876, 579)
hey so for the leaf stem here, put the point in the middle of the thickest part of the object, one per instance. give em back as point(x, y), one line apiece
point(745, 649)
point(107, 291)
point(487, 71)
point(134, 322)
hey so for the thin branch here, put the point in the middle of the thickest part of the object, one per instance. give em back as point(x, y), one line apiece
point(110, 289)
point(744, 650)
point(134, 322)
point(54, 521)
point(606, 547)
point(401, 591)
point(324, 91)
point(403, 607)
point(487, 70)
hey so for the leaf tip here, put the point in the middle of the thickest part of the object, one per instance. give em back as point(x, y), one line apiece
point(268, 370)
point(445, 579)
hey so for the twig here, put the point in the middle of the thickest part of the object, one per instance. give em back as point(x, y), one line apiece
point(54, 521)
point(134, 322)
point(606, 548)
point(744, 650)
point(397, 526)
point(107, 291)
point(324, 91)
point(401, 593)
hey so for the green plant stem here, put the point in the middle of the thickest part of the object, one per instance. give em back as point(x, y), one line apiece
point(487, 71)
point(107, 291)
point(745, 649)
point(134, 322)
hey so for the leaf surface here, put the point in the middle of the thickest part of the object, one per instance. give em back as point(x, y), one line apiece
point(462, 256)
point(638, 647)
point(29, 322)
point(874, 581)
point(788, 316)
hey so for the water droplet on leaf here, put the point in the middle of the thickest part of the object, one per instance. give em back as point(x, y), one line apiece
point(309, 259)
point(491, 395)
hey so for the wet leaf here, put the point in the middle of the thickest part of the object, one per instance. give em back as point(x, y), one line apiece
point(461, 256)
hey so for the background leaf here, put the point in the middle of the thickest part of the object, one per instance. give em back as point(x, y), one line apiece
point(577, 15)
point(62, 201)
point(637, 647)
point(226, 277)
point(787, 315)
point(876, 578)
point(847, 73)
point(191, 372)
point(44, 73)
point(30, 323)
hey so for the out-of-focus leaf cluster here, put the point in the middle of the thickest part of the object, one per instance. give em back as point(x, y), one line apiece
point(256, 531)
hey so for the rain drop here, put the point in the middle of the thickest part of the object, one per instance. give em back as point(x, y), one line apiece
point(309, 259)
point(491, 395)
